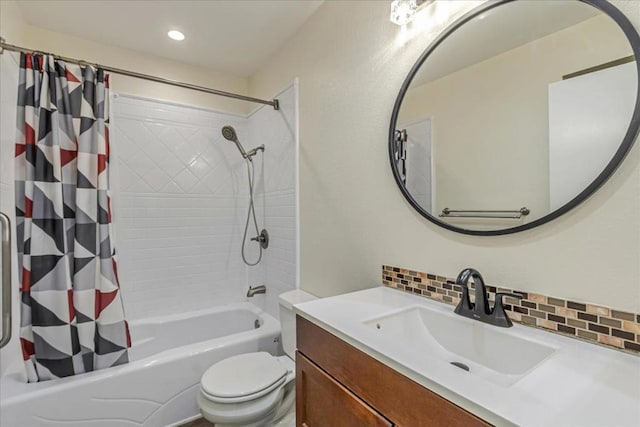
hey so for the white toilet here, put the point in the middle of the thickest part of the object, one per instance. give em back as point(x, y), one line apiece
point(254, 389)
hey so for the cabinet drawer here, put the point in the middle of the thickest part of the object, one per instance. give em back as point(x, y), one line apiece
point(401, 400)
point(322, 401)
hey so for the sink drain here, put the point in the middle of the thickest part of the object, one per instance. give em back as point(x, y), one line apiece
point(460, 365)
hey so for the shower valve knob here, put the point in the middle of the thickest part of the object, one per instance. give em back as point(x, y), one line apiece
point(262, 238)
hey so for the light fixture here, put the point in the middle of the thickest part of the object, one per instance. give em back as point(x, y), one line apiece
point(176, 35)
point(403, 11)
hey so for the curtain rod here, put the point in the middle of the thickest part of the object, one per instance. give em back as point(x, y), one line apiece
point(274, 103)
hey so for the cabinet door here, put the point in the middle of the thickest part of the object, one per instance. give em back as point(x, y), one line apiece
point(321, 401)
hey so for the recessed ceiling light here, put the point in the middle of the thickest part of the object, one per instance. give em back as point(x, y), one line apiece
point(176, 35)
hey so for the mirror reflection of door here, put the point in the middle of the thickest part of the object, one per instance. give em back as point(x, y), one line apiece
point(588, 116)
point(419, 176)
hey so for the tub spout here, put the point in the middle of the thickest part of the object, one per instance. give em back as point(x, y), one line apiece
point(256, 290)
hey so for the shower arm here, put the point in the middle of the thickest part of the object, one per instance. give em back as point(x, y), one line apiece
point(254, 151)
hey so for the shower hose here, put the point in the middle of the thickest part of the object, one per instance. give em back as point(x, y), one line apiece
point(251, 214)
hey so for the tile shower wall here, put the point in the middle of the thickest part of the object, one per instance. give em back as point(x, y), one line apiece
point(179, 199)
point(278, 131)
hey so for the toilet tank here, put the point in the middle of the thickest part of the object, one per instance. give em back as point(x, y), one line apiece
point(288, 318)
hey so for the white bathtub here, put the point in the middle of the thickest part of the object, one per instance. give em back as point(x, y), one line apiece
point(157, 388)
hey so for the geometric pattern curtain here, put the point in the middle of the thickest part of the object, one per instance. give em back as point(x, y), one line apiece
point(72, 318)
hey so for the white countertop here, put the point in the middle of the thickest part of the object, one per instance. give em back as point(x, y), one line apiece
point(581, 384)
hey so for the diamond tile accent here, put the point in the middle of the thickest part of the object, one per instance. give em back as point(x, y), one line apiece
point(185, 180)
point(199, 167)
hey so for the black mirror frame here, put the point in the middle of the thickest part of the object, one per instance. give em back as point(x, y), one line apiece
point(627, 142)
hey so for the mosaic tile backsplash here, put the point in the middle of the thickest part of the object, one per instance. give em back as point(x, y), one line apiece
point(594, 323)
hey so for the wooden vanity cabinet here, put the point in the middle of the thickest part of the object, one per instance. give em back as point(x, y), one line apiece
point(338, 385)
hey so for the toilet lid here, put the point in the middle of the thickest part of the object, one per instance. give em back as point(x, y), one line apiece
point(243, 375)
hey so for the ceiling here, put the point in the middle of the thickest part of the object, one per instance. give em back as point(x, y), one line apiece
point(234, 37)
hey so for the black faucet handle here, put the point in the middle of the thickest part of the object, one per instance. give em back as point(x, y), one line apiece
point(500, 317)
point(499, 296)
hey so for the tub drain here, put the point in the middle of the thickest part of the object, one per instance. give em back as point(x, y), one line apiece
point(460, 365)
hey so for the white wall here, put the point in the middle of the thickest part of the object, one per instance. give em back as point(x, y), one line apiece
point(12, 25)
point(351, 62)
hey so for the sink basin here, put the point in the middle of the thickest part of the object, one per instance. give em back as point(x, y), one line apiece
point(495, 354)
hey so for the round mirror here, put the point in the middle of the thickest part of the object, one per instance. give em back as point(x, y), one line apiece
point(516, 114)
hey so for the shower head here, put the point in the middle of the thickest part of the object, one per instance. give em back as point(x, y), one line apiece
point(229, 133)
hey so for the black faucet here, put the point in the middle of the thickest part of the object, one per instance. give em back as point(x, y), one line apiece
point(481, 310)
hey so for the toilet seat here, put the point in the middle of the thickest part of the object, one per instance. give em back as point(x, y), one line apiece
point(243, 378)
point(245, 398)
point(243, 408)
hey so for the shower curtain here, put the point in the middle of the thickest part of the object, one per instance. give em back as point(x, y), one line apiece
point(72, 319)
